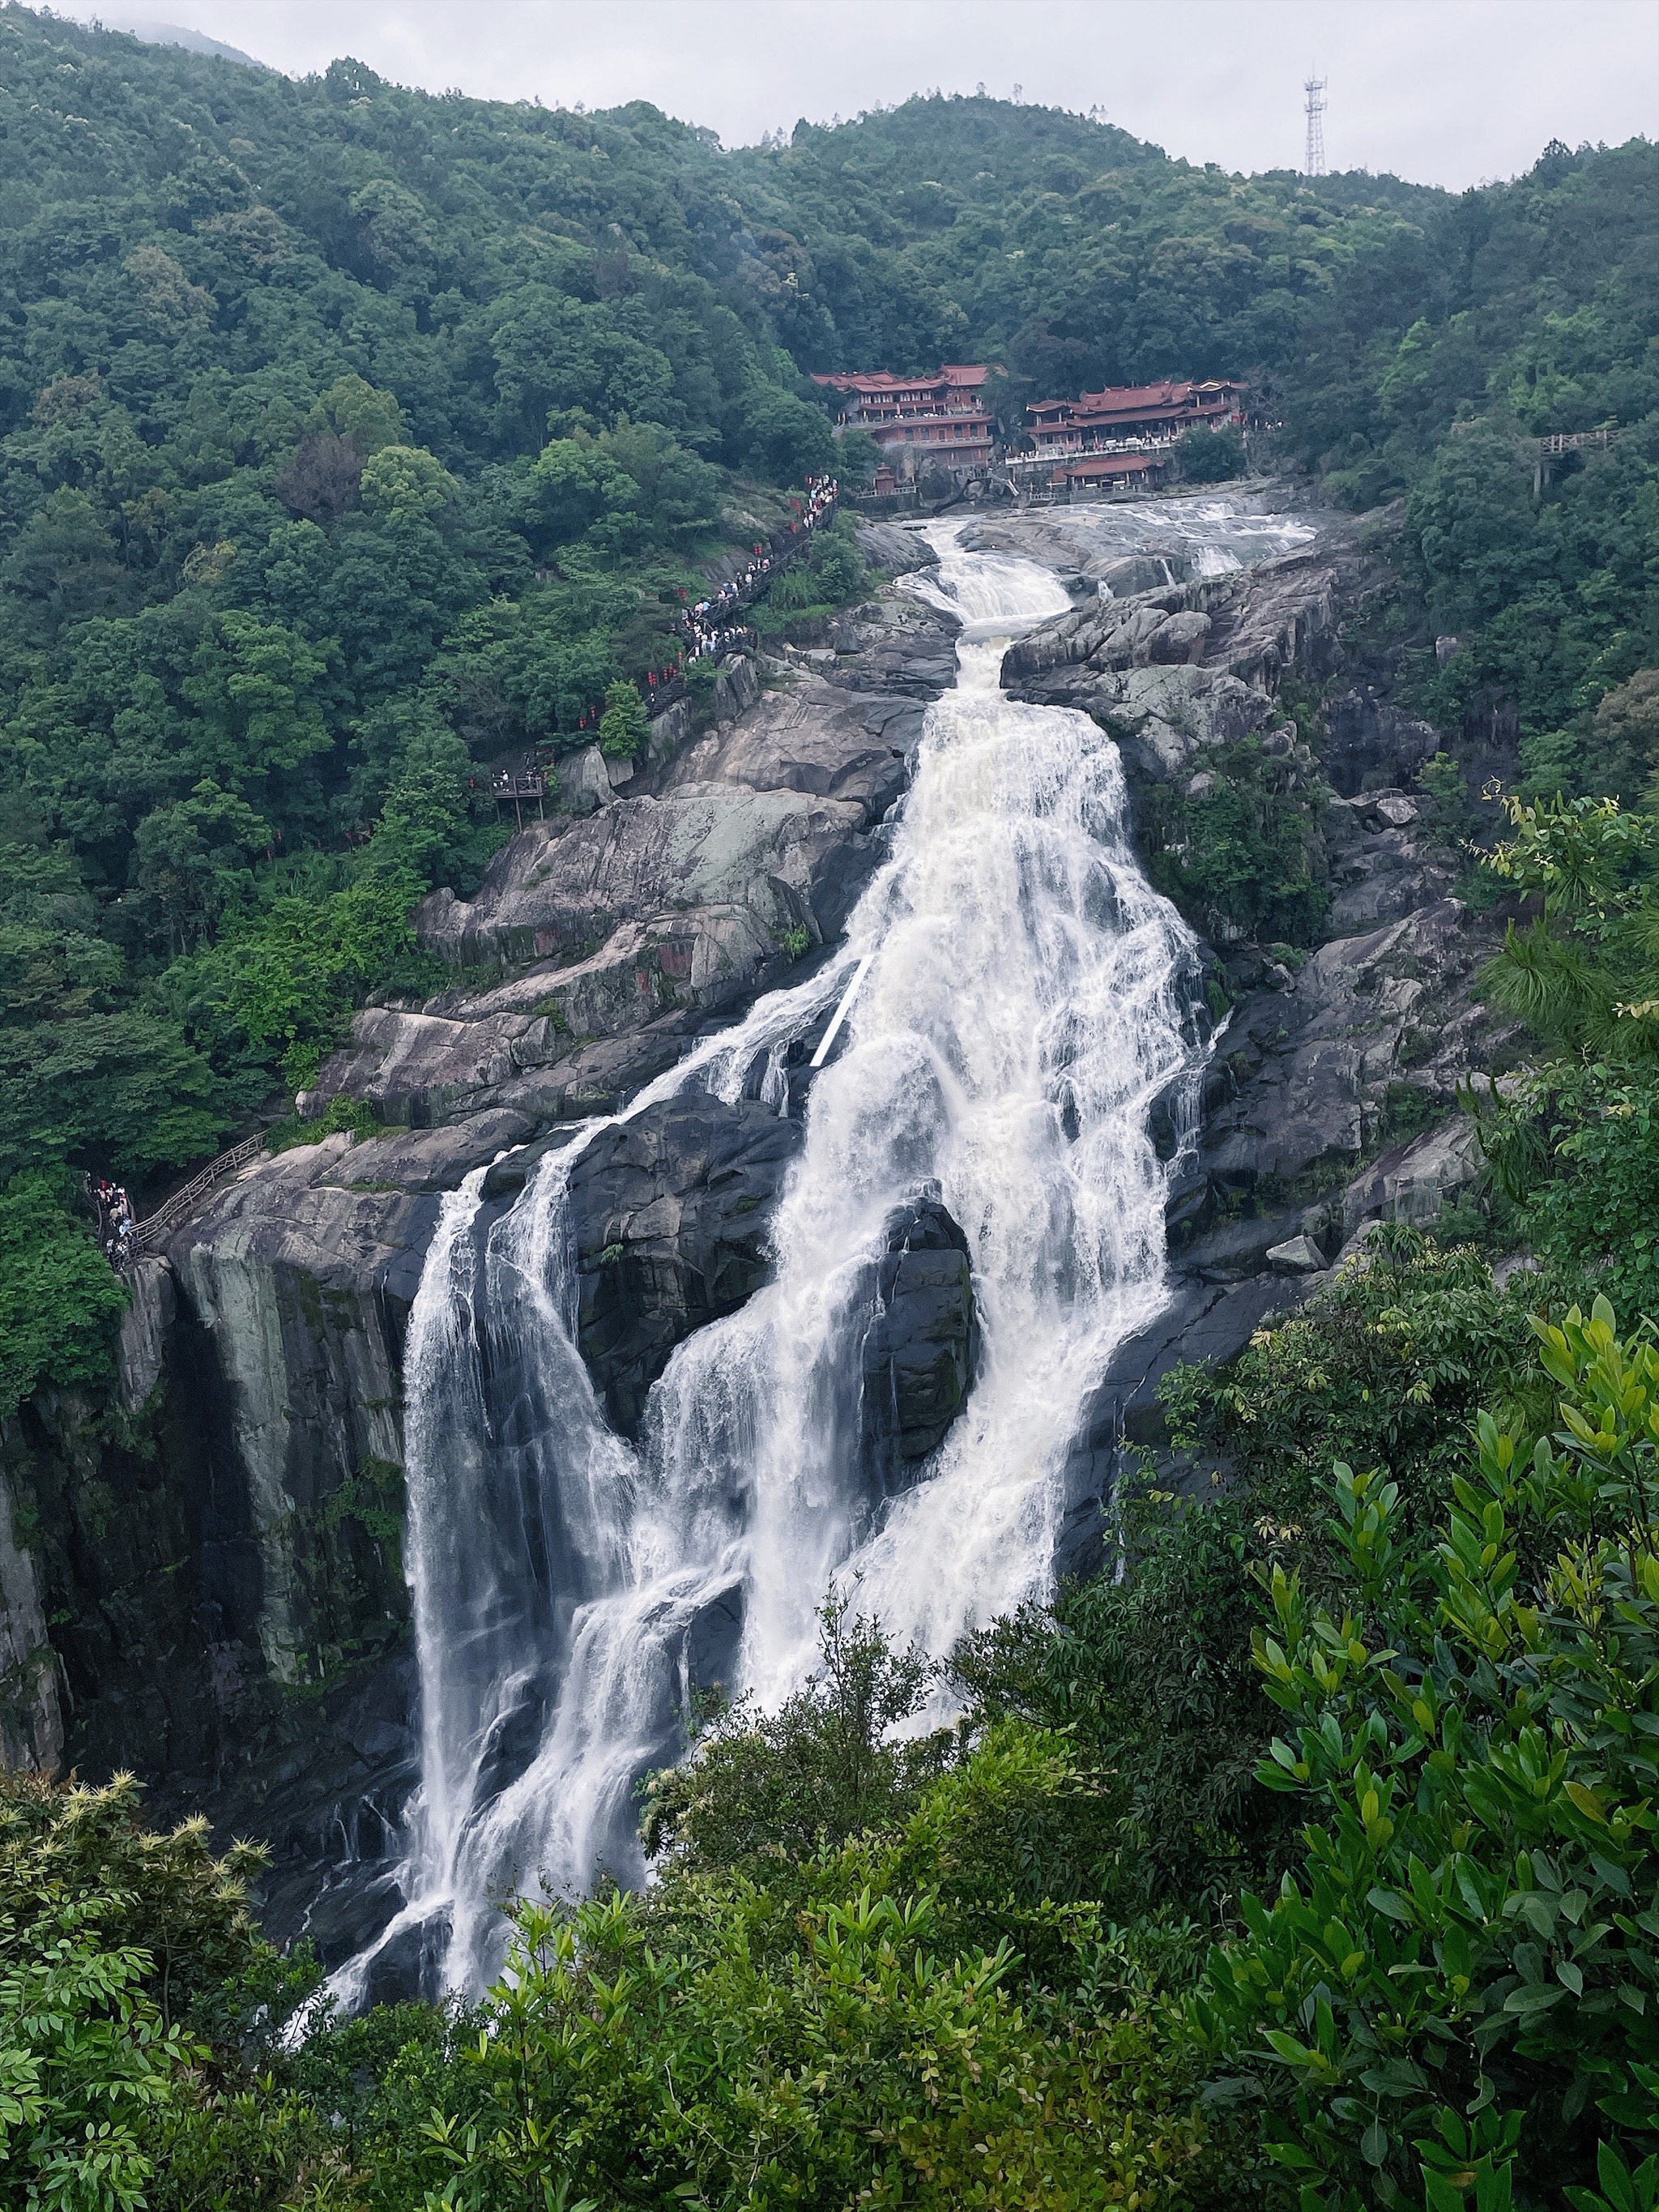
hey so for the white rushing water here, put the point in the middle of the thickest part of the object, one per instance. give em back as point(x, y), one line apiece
point(1023, 1001)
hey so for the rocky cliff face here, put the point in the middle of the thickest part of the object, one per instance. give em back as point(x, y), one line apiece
point(597, 944)
point(203, 1578)
point(1331, 1100)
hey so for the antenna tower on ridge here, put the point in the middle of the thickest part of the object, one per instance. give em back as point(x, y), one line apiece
point(1313, 164)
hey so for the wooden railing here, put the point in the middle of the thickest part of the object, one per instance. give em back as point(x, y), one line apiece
point(1575, 441)
point(156, 1226)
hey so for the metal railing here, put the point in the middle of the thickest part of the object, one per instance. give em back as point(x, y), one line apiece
point(155, 1226)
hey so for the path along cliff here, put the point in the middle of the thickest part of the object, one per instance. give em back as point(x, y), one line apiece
point(207, 1580)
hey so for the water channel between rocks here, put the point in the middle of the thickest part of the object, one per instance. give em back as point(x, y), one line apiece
point(1027, 998)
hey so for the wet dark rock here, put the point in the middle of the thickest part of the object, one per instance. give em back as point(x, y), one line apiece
point(407, 1969)
point(1381, 868)
point(1203, 1322)
point(922, 1348)
point(1372, 1025)
point(1369, 742)
point(713, 1638)
point(324, 1781)
point(670, 1213)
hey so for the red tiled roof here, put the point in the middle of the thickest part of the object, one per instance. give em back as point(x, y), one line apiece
point(1118, 397)
point(878, 381)
point(1117, 400)
point(1106, 465)
point(954, 375)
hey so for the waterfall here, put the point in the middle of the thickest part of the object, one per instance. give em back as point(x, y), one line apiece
point(1215, 561)
point(1023, 1002)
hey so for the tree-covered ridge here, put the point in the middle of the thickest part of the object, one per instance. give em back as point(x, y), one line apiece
point(1071, 253)
point(318, 489)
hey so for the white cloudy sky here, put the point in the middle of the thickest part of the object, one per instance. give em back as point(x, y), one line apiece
point(1447, 92)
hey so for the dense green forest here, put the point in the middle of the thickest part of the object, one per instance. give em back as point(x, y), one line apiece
point(351, 438)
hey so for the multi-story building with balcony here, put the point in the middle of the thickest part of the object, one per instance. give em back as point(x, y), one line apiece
point(933, 422)
point(1126, 417)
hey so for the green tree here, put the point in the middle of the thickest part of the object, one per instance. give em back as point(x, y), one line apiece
point(255, 687)
point(193, 857)
point(58, 1298)
point(622, 726)
point(1473, 1924)
point(63, 566)
point(1211, 456)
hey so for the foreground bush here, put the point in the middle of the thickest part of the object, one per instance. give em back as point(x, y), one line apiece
point(128, 1962)
point(1474, 1930)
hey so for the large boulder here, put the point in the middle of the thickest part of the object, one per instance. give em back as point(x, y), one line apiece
point(807, 736)
point(1381, 868)
point(1308, 1078)
point(922, 1346)
point(1256, 622)
point(891, 547)
point(896, 645)
point(669, 1213)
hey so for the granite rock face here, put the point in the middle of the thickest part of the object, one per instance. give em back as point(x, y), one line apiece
point(596, 946)
point(890, 546)
point(1317, 1067)
point(669, 1214)
point(1311, 1074)
point(1252, 623)
point(221, 1601)
point(896, 644)
point(31, 1708)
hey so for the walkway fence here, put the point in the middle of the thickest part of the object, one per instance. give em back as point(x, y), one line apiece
point(153, 1230)
point(707, 628)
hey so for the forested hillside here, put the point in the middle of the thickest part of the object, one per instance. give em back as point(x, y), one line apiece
point(352, 439)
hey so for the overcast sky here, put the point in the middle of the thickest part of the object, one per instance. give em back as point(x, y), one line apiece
point(1445, 92)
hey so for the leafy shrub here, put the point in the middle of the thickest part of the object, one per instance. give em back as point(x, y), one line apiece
point(1148, 1673)
point(1388, 1363)
point(1575, 1147)
point(1244, 855)
point(126, 1959)
point(59, 1299)
point(1211, 456)
point(824, 1767)
point(1474, 1922)
point(1448, 817)
point(623, 725)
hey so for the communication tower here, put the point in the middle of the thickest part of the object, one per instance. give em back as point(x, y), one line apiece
point(1313, 165)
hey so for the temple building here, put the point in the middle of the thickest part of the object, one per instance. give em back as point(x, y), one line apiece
point(1109, 472)
point(1132, 415)
point(937, 421)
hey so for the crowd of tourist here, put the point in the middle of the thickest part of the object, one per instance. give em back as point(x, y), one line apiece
point(709, 630)
point(117, 1231)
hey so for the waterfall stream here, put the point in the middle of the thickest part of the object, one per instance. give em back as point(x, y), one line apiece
point(1025, 1000)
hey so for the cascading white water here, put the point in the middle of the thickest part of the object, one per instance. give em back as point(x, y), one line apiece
point(1024, 1003)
